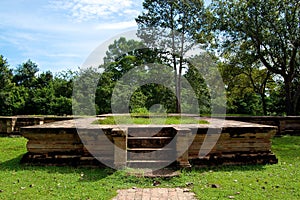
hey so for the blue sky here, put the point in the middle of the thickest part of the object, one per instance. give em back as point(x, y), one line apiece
point(60, 34)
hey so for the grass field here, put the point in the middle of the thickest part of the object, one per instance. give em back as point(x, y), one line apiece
point(280, 181)
point(150, 120)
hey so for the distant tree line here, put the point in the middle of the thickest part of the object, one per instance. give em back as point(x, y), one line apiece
point(255, 45)
point(27, 91)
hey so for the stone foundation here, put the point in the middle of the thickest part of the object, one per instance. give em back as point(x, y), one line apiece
point(148, 146)
point(286, 125)
point(10, 126)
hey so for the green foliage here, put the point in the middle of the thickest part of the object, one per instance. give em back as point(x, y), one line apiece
point(120, 48)
point(265, 31)
point(25, 74)
point(140, 110)
point(6, 87)
point(171, 27)
point(173, 18)
point(5, 73)
point(142, 97)
point(152, 62)
point(200, 88)
point(154, 94)
point(257, 42)
point(84, 93)
point(24, 91)
point(249, 89)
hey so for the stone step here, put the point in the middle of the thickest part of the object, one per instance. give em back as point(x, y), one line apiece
point(151, 131)
point(151, 154)
point(148, 138)
point(148, 142)
point(148, 149)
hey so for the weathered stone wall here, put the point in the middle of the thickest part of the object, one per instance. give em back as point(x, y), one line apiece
point(286, 125)
point(234, 146)
point(59, 144)
point(11, 125)
point(49, 119)
point(7, 125)
point(26, 121)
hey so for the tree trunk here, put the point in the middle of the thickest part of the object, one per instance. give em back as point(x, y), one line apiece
point(288, 97)
point(177, 109)
point(174, 60)
point(263, 93)
point(179, 85)
point(264, 105)
point(296, 100)
point(178, 95)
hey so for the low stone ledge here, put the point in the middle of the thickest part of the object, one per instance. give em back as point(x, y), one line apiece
point(59, 143)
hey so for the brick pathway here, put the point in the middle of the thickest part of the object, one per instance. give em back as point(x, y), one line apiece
point(155, 194)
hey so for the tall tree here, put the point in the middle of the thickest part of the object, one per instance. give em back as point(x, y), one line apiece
point(253, 74)
point(25, 78)
point(268, 31)
point(25, 74)
point(171, 26)
point(121, 57)
point(5, 87)
point(5, 73)
point(260, 79)
point(248, 88)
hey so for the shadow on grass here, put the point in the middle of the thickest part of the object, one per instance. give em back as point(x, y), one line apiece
point(95, 174)
point(286, 149)
point(90, 174)
point(15, 165)
point(220, 168)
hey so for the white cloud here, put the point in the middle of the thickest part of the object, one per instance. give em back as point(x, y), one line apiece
point(116, 26)
point(52, 36)
point(86, 10)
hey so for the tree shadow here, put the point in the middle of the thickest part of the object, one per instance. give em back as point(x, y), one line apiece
point(229, 168)
point(90, 173)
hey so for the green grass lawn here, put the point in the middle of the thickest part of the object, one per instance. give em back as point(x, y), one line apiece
point(149, 120)
point(280, 181)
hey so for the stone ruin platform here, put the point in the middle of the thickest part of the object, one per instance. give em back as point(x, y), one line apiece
point(78, 142)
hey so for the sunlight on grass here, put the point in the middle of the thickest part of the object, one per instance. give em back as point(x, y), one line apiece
point(149, 120)
point(280, 181)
